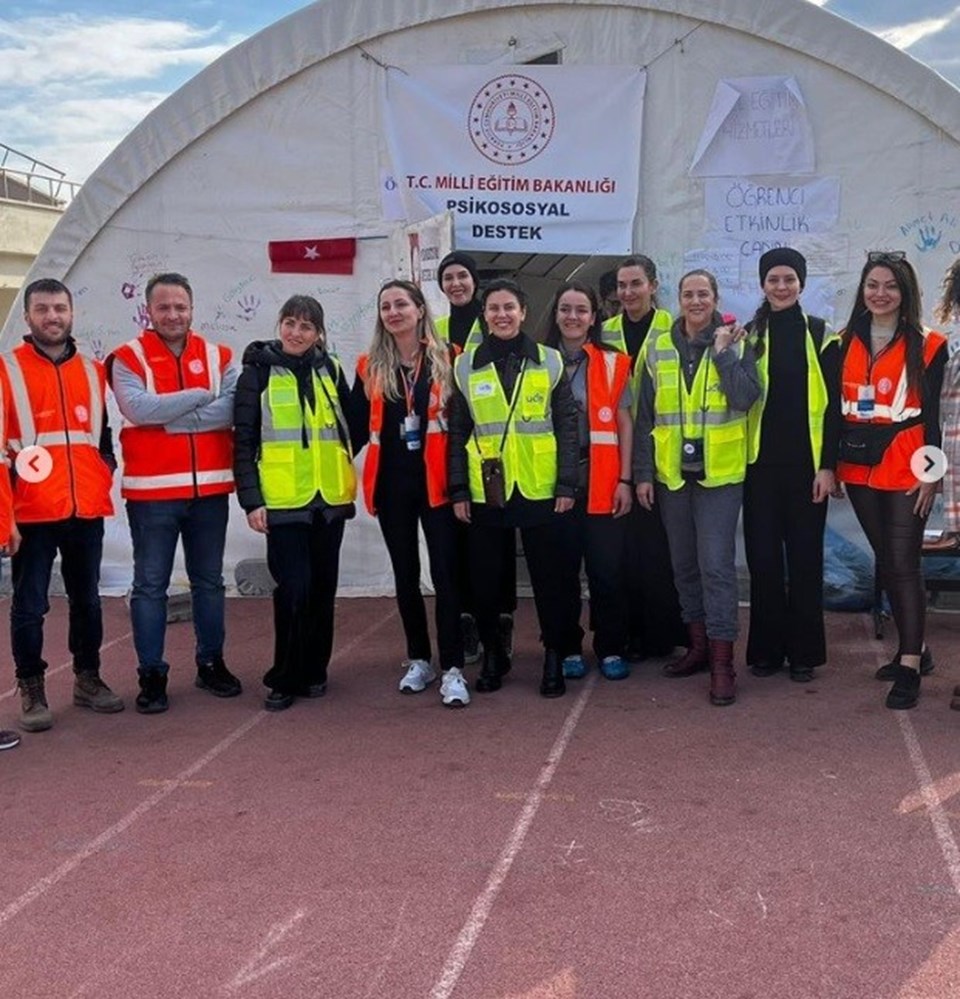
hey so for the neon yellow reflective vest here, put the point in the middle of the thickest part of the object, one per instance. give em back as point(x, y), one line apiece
point(817, 396)
point(612, 334)
point(474, 337)
point(291, 474)
point(530, 448)
point(700, 413)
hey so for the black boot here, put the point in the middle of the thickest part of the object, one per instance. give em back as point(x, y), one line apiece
point(489, 679)
point(552, 684)
point(152, 699)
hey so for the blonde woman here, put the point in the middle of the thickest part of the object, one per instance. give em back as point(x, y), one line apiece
point(398, 408)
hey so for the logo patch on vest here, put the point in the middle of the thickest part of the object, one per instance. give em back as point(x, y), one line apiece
point(605, 414)
point(534, 400)
point(483, 389)
point(196, 366)
point(80, 411)
point(884, 386)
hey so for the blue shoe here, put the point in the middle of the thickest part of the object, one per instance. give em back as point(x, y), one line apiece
point(614, 668)
point(574, 668)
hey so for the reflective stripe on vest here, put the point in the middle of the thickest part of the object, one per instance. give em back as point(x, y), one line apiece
point(702, 412)
point(474, 336)
point(817, 396)
point(529, 452)
point(292, 472)
point(612, 334)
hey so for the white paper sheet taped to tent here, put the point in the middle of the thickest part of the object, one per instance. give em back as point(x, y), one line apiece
point(283, 139)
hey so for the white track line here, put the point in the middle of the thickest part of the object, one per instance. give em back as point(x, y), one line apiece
point(69, 662)
point(482, 906)
point(95, 845)
point(928, 791)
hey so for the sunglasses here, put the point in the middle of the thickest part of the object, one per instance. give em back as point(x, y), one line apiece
point(886, 256)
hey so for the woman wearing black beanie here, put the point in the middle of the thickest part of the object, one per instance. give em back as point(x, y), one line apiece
point(794, 435)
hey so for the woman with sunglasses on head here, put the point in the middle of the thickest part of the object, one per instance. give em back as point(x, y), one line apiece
point(654, 622)
point(794, 433)
point(891, 378)
point(399, 408)
point(295, 480)
point(513, 463)
point(594, 531)
point(699, 380)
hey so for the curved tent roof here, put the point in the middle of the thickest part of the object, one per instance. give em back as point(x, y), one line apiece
point(284, 138)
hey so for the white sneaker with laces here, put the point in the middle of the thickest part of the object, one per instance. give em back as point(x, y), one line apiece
point(453, 689)
point(420, 674)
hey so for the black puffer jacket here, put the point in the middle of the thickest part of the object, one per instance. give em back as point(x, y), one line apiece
point(259, 357)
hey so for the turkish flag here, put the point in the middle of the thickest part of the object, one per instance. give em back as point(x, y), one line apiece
point(312, 256)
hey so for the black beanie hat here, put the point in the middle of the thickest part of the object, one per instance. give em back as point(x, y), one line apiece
point(783, 256)
point(464, 260)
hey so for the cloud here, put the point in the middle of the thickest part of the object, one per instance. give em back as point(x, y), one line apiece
point(905, 35)
point(38, 50)
point(71, 81)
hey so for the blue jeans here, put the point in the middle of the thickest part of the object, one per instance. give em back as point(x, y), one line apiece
point(80, 543)
point(155, 527)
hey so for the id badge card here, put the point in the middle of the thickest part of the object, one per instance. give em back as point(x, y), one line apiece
point(410, 431)
point(866, 402)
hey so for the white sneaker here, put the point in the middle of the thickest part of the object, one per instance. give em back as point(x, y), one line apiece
point(420, 674)
point(453, 689)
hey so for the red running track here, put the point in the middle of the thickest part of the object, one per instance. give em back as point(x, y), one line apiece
point(628, 840)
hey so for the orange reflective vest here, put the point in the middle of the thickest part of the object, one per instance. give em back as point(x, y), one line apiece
point(894, 402)
point(608, 374)
point(58, 407)
point(434, 444)
point(162, 466)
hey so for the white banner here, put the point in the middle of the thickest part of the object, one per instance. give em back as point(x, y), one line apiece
point(513, 152)
point(756, 125)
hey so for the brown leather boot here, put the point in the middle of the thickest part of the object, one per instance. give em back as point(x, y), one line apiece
point(723, 678)
point(694, 660)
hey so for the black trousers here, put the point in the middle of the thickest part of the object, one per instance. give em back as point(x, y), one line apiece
point(783, 537)
point(508, 575)
point(401, 508)
point(554, 576)
point(598, 540)
point(895, 534)
point(654, 624)
point(80, 544)
point(304, 560)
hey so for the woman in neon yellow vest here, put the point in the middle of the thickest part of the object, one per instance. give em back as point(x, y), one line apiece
point(513, 463)
point(293, 466)
point(459, 281)
point(699, 380)
point(654, 623)
point(794, 432)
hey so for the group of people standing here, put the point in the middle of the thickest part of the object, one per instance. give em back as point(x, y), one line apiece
point(624, 445)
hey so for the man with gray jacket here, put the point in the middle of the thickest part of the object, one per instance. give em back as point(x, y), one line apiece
point(175, 391)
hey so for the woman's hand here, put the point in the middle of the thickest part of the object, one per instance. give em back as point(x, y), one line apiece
point(257, 519)
point(724, 336)
point(563, 504)
point(13, 545)
point(622, 500)
point(461, 510)
point(645, 495)
point(925, 491)
point(824, 485)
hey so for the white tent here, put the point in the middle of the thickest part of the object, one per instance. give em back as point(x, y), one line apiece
point(762, 124)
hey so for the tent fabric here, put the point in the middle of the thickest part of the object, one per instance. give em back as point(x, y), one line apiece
point(282, 140)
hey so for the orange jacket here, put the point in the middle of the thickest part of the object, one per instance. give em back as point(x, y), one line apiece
point(59, 407)
point(608, 374)
point(894, 402)
point(434, 444)
point(162, 466)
